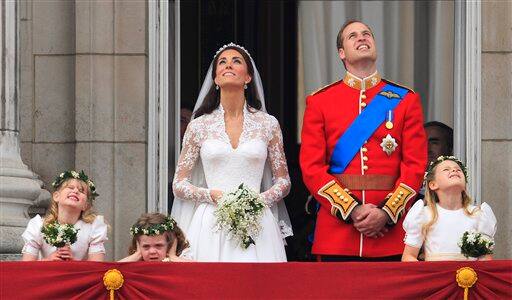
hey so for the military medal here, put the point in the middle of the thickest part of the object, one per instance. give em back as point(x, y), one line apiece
point(388, 144)
point(389, 122)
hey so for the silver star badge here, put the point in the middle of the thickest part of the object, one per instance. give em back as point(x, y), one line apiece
point(388, 144)
point(351, 82)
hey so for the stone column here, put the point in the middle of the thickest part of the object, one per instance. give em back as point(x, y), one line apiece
point(19, 187)
point(497, 119)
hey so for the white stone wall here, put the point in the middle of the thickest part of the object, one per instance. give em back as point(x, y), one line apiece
point(497, 118)
point(84, 101)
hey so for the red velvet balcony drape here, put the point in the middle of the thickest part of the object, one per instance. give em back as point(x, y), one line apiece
point(422, 280)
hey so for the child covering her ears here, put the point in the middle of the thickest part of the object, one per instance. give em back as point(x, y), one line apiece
point(157, 237)
point(440, 220)
point(71, 207)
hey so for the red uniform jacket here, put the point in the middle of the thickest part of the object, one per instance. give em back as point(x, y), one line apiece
point(329, 112)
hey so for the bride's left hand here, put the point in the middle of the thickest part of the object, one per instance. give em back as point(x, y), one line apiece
point(215, 195)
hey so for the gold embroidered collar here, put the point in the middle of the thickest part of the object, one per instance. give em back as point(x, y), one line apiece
point(362, 84)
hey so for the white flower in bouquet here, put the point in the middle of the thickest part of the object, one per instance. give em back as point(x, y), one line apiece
point(239, 213)
point(59, 235)
point(475, 244)
point(471, 237)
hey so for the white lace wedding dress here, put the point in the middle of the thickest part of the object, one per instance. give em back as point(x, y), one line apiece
point(225, 168)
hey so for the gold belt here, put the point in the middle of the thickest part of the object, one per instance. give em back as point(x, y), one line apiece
point(366, 182)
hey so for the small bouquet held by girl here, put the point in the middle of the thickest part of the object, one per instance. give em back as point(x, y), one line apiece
point(239, 213)
point(476, 244)
point(59, 235)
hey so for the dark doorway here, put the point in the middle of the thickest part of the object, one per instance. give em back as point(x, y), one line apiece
point(268, 30)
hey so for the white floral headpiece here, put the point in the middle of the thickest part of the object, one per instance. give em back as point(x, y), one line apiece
point(442, 158)
point(231, 45)
point(75, 175)
point(154, 229)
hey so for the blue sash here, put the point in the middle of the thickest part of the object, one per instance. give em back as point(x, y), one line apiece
point(364, 126)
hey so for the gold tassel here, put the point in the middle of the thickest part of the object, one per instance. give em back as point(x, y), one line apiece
point(465, 278)
point(113, 280)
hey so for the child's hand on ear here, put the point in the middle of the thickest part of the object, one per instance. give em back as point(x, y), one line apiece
point(137, 255)
point(172, 250)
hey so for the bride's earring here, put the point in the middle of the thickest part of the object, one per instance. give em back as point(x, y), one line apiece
point(245, 86)
point(216, 87)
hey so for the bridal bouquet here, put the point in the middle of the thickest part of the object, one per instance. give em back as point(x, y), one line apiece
point(239, 213)
point(59, 235)
point(475, 244)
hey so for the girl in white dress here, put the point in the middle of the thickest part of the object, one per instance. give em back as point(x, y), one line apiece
point(156, 237)
point(72, 203)
point(438, 222)
point(231, 140)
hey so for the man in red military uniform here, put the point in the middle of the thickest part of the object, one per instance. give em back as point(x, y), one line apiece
point(363, 155)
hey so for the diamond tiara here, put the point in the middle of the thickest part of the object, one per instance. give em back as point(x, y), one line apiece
point(231, 45)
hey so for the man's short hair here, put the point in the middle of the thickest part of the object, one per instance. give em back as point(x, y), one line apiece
point(447, 130)
point(339, 38)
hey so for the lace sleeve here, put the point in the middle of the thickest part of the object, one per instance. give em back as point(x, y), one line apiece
point(182, 186)
point(277, 160)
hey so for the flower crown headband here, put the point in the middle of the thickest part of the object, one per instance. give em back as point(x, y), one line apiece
point(72, 174)
point(231, 45)
point(155, 229)
point(442, 158)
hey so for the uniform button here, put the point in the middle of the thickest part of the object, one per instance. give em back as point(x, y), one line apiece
point(345, 200)
point(401, 193)
point(363, 104)
point(342, 197)
point(363, 96)
point(338, 194)
point(365, 167)
point(365, 158)
point(364, 149)
point(335, 191)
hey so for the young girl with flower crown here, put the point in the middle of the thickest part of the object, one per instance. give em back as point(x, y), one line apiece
point(71, 207)
point(440, 221)
point(156, 237)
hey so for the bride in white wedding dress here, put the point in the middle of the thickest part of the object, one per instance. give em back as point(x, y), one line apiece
point(231, 140)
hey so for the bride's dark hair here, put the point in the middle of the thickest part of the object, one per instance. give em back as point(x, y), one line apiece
point(212, 99)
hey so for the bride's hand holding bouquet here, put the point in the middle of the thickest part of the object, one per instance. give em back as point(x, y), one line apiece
point(216, 195)
point(239, 212)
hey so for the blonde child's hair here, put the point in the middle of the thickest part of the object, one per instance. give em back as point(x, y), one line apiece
point(147, 221)
point(87, 216)
point(431, 197)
